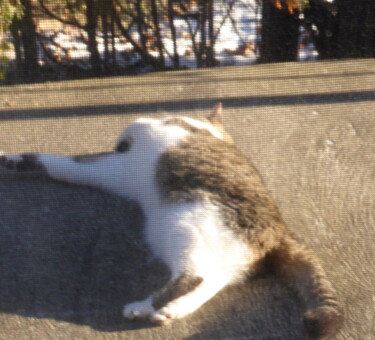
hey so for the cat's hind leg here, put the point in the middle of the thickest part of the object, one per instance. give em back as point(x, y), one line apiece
point(185, 296)
point(203, 255)
point(171, 291)
point(178, 298)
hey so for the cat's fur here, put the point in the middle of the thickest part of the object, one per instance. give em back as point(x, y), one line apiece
point(208, 215)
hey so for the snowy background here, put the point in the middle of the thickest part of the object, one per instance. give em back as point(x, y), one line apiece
point(237, 42)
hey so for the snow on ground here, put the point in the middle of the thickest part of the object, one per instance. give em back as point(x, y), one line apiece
point(237, 42)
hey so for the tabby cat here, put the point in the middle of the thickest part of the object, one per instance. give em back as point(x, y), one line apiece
point(207, 214)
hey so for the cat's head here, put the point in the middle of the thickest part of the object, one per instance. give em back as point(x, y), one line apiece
point(173, 129)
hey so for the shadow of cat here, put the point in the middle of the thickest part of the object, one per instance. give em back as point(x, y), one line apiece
point(76, 254)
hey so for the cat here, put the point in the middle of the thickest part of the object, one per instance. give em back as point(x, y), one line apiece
point(208, 215)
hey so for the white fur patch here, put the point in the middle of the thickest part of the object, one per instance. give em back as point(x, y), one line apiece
point(198, 124)
point(204, 126)
point(193, 237)
point(153, 133)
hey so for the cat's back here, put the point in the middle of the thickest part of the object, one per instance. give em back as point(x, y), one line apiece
point(206, 168)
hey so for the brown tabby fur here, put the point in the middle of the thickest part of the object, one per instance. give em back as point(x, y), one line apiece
point(204, 167)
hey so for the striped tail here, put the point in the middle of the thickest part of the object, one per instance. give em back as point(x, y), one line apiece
point(301, 270)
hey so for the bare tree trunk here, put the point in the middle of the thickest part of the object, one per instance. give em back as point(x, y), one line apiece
point(140, 24)
point(30, 65)
point(16, 34)
point(113, 43)
point(91, 28)
point(105, 28)
point(159, 41)
point(108, 28)
point(201, 57)
point(210, 53)
point(280, 31)
point(176, 58)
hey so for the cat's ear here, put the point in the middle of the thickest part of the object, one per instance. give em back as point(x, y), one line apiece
point(216, 117)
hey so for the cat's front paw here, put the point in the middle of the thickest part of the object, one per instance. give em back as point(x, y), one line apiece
point(25, 162)
point(9, 162)
point(139, 310)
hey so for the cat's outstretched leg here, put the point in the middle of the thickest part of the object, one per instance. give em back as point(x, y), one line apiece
point(177, 299)
point(91, 170)
point(62, 168)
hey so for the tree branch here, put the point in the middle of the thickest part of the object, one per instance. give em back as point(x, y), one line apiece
point(55, 16)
